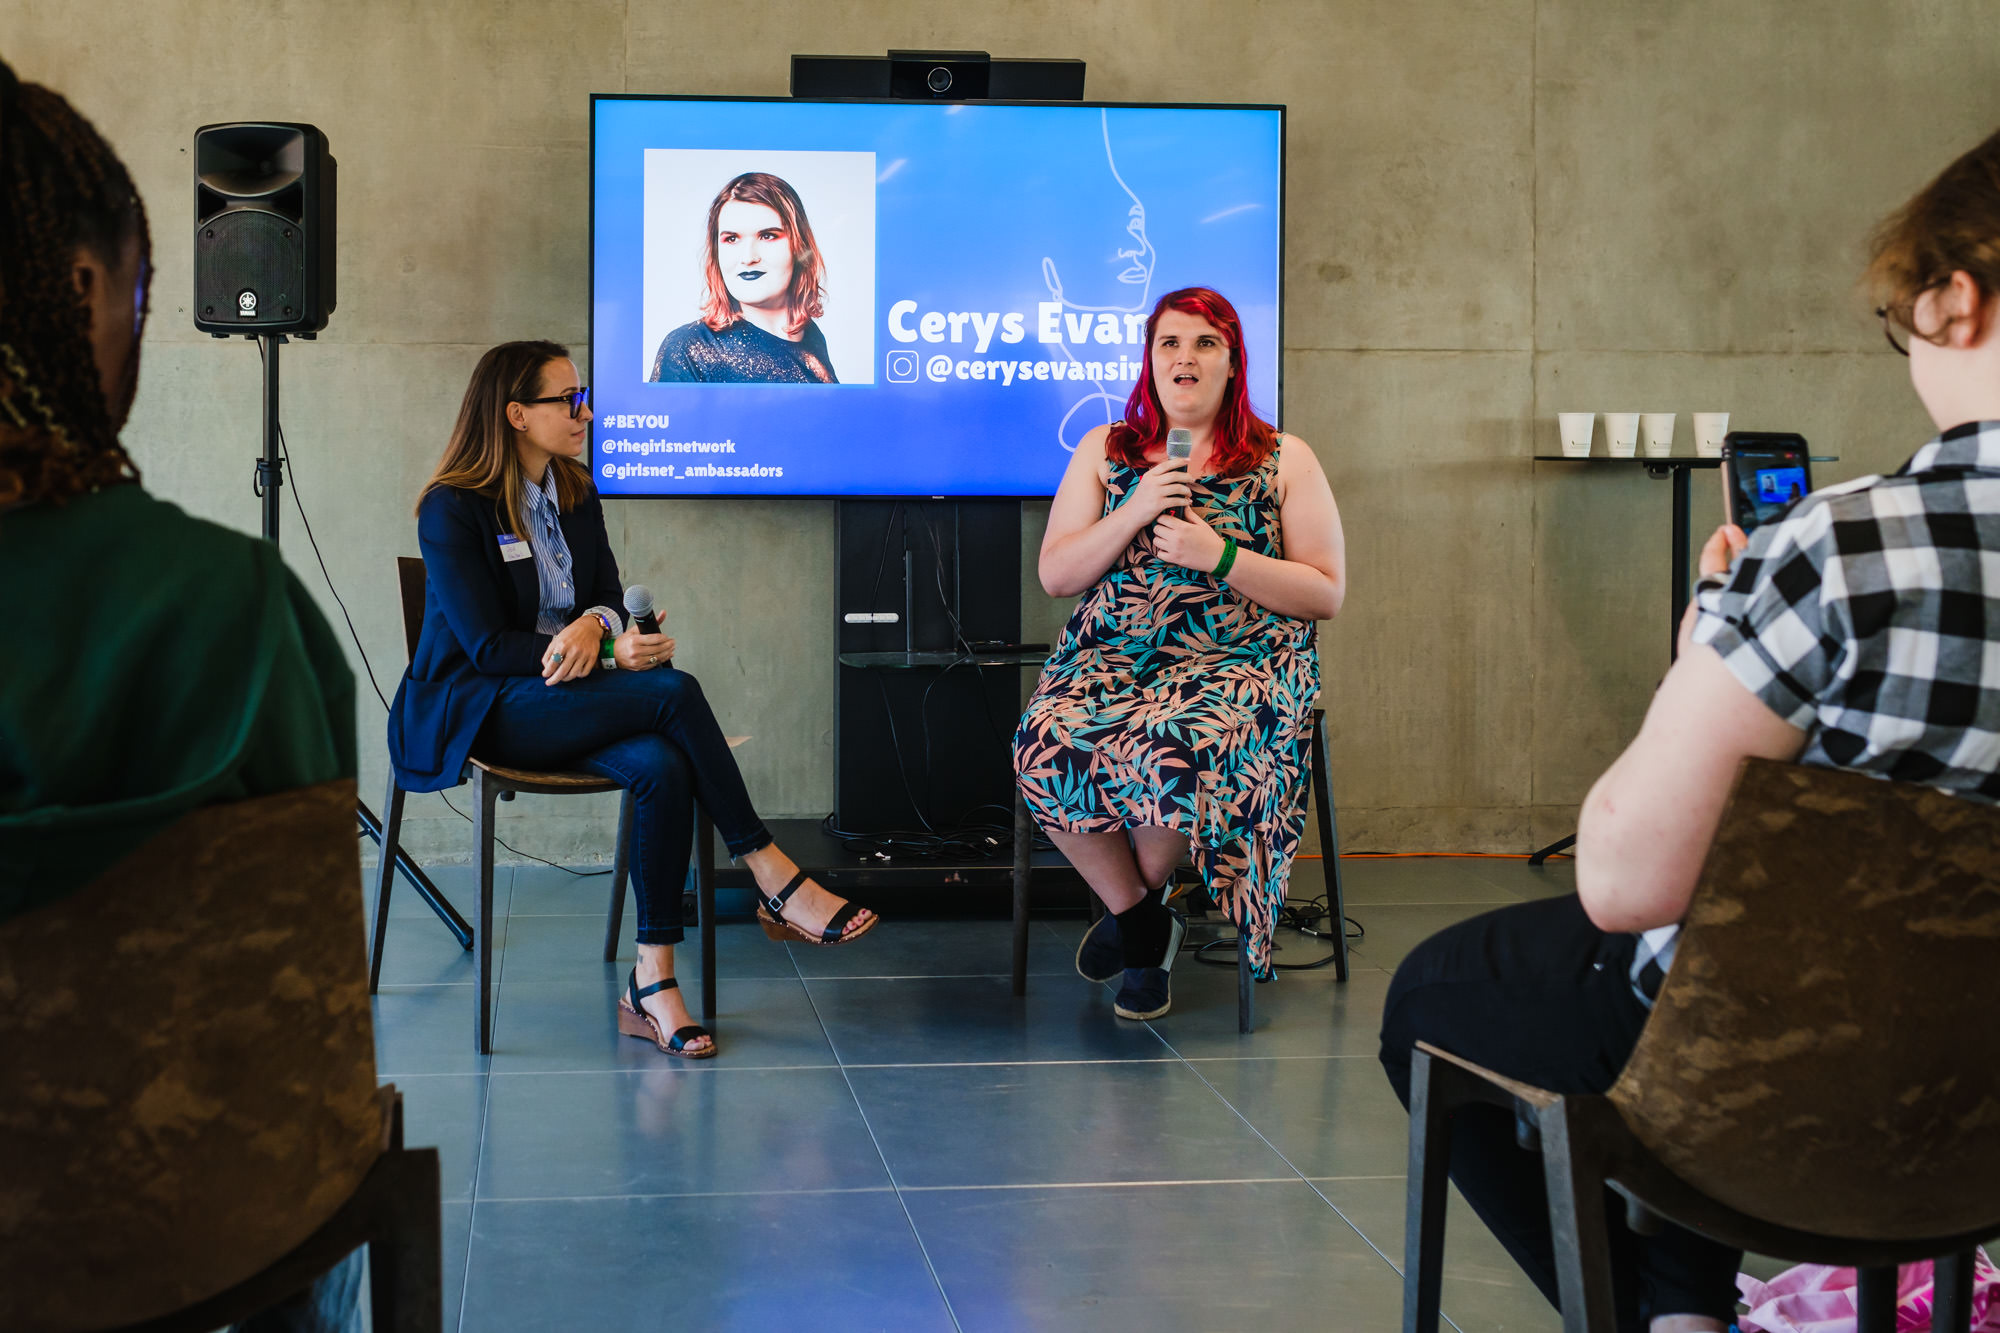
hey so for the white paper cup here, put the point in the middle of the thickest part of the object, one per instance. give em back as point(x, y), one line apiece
point(1621, 433)
point(1656, 433)
point(1709, 428)
point(1576, 431)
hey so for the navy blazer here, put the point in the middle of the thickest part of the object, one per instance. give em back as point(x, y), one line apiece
point(479, 627)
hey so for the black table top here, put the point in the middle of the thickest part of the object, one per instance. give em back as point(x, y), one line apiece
point(1670, 460)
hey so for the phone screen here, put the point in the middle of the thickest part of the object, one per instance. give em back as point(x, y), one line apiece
point(1764, 481)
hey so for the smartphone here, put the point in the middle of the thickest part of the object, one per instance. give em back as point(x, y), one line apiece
point(1764, 473)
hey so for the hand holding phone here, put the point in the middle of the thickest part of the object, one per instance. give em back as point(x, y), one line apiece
point(1719, 552)
point(1763, 474)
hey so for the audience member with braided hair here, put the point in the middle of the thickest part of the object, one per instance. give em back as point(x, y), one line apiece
point(175, 663)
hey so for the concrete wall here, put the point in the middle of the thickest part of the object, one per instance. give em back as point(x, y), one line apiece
point(1498, 209)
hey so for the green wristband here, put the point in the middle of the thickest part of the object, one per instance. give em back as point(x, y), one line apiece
point(1221, 570)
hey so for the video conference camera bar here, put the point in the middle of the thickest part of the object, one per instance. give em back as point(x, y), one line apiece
point(955, 76)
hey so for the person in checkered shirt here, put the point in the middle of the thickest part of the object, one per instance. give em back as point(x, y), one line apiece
point(1852, 633)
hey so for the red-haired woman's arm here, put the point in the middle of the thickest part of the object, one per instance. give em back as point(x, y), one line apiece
point(1082, 540)
point(1310, 583)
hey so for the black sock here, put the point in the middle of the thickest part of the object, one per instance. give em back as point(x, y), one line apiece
point(1143, 931)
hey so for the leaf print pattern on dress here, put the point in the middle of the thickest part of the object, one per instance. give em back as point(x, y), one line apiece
point(1172, 701)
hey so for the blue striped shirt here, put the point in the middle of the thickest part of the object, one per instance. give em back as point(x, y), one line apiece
point(552, 562)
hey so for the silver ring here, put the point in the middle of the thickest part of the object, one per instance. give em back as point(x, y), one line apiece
point(556, 656)
point(656, 659)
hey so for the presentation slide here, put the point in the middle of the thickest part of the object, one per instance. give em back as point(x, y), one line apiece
point(888, 299)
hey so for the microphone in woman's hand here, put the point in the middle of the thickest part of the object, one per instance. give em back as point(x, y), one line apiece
point(639, 606)
point(1180, 444)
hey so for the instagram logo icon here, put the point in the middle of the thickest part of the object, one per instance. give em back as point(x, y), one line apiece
point(902, 367)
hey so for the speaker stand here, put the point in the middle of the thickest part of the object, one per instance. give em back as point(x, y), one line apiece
point(271, 476)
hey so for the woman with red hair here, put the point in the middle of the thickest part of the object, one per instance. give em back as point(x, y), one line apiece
point(1175, 711)
point(765, 284)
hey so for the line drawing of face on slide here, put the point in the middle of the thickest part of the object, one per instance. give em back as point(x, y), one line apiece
point(761, 261)
point(1130, 271)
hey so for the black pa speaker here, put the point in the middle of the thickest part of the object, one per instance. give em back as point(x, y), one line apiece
point(263, 229)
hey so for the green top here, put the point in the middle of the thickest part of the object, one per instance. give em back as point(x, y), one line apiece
point(154, 663)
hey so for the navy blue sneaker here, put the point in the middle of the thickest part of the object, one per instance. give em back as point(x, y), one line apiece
point(1146, 992)
point(1101, 956)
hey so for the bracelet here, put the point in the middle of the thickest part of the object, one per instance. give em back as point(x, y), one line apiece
point(1221, 570)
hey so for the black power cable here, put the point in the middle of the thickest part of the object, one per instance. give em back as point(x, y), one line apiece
point(1301, 915)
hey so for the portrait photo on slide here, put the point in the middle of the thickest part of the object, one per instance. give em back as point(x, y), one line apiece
point(759, 267)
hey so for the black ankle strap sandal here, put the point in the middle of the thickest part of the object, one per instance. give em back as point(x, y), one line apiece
point(634, 1021)
point(771, 916)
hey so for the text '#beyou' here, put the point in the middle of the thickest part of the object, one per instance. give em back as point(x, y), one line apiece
point(686, 472)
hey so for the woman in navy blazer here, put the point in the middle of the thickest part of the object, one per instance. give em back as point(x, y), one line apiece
point(513, 541)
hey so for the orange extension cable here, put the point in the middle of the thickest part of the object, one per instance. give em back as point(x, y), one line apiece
point(1397, 856)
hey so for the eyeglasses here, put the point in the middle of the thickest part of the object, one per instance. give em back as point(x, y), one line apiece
point(578, 400)
point(1882, 313)
point(139, 297)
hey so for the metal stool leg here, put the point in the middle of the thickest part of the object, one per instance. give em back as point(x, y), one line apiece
point(1024, 842)
point(385, 878)
point(1952, 1282)
point(484, 793)
point(1329, 845)
point(621, 864)
point(704, 898)
point(1875, 1298)
point(1245, 985)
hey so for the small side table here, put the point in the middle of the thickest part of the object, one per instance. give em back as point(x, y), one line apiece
point(1675, 467)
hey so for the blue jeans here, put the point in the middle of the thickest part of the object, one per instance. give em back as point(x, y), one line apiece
point(332, 1304)
point(652, 733)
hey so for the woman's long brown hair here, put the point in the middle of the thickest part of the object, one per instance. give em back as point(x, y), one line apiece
point(481, 456)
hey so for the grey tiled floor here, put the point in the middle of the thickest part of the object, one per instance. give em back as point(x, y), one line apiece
point(890, 1140)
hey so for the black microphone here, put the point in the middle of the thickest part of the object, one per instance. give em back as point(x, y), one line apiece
point(1180, 444)
point(639, 606)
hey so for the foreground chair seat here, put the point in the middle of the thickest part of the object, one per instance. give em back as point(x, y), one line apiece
point(1820, 1077)
point(192, 1127)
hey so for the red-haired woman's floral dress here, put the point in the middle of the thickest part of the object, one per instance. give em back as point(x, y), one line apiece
point(1172, 700)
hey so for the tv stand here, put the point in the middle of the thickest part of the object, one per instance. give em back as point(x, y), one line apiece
point(928, 690)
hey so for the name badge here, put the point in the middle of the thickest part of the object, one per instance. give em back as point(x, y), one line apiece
point(513, 548)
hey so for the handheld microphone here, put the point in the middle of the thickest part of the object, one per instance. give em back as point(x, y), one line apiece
point(639, 606)
point(1180, 444)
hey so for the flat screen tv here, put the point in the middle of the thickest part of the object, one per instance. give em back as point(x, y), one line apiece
point(841, 298)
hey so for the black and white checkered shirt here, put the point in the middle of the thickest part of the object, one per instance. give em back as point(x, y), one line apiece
point(1869, 617)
